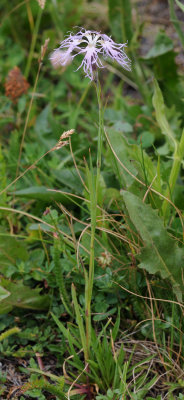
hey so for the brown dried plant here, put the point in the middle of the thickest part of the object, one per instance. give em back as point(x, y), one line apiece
point(16, 84)
point(62, 142)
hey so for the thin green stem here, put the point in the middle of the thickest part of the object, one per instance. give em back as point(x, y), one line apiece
point(93, 198)
point(90, 277)
point(100, 130)
point(33, 43)
point(178, 157)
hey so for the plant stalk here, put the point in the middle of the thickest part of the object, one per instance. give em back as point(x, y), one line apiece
point(93, 199)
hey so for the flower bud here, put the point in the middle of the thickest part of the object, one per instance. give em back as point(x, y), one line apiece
point(60, 58)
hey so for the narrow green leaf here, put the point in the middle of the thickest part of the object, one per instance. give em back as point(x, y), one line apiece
point(116, 326)
point(60, 278)
point(159, 106)
point(101, 317)
point(176, 21)
point(123, 375)
point(65, 331)
point(53, 377)
point(180, 5)
point(43, 194)
point(120, 17)
point(126, 8)
point(115, 19)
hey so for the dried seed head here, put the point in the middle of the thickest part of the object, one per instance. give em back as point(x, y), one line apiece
point(16, 84)
point(41, 3)
point(67, 134)
point(59, 145)
point(44, 48)
point(62, 142)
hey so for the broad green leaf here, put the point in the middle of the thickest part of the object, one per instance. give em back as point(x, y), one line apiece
point(42, 123)
point(111, 195)
point(44, 194)
point(11, 250)
point(121, 148)
point(160, 253)
point(159, 106)
point(146, 139)
point(163, 44)
point(22, 296)
point(124, 127)
point(70, 178)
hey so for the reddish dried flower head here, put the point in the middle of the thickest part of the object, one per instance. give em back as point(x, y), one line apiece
point(15, 84)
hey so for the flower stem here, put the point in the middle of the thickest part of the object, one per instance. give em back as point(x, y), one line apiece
point(178, 157)
point(93, 200)
point(100, 130)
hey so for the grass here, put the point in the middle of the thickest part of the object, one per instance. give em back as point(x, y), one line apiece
point(91, 208)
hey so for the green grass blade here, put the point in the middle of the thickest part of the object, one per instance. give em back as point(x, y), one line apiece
point(65, 332)
point(159, 106)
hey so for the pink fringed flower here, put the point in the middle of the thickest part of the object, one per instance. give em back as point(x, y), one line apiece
point(92, 45)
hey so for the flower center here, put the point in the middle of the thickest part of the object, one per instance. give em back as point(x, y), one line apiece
point(92, 39)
